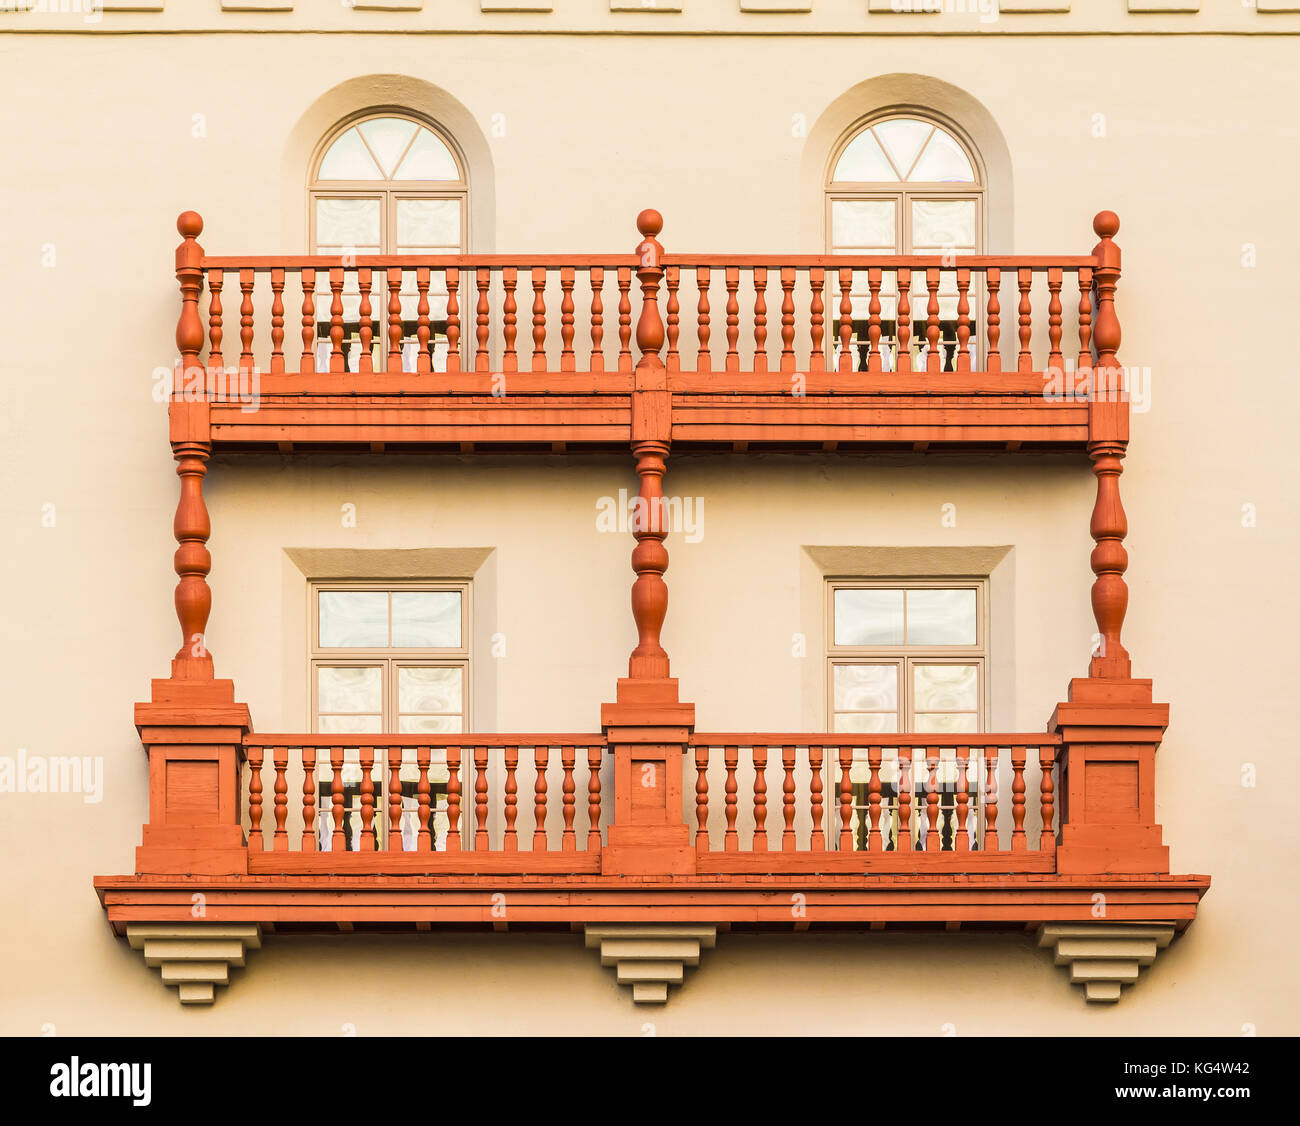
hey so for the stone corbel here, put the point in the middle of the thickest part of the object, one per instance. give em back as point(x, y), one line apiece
point(650, 958)
point(1104, 957)
point(194, 957)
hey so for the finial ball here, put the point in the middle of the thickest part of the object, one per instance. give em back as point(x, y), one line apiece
point(189, 224)
point(649, 222)
point(1106, 224)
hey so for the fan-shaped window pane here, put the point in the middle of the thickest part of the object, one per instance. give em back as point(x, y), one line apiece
point(943, 161)
point(388, 138)
point(428, 159)
point(863, 160)
point(348, 159)
point(903, 139)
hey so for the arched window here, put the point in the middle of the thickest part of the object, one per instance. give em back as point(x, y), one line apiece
point(901, 185)
point(388, 184)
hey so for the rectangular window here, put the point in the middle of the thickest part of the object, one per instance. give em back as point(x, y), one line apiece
point(387, 658)
point(908, 657)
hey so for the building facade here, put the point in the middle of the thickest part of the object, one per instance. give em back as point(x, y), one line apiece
point(880, 337)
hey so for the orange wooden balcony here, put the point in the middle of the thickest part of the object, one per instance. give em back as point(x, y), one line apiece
point(649, 824)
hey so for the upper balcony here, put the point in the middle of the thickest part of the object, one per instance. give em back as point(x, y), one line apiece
point(516, 351)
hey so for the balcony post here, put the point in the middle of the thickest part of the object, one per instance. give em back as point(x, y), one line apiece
point(648, 727)
point(192, 728)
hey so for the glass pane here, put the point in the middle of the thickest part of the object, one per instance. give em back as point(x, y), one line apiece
point(941, 617)
point(426, 619)
point(866, 687)
point(903, 139)
point(868, 617)
point(388, 138)
point(863, 223)
point(943, 160)
point(943, 222)
point(428, 222)
point(347, 159)
point(347, 222)
point(349, 689)
point(359, 724)
point(353, 618)
point(866, 721)
point(428, 159)
point(939, 723)
point(425, 724)
point(862, 160)
point(943, 688)
point(430, 690)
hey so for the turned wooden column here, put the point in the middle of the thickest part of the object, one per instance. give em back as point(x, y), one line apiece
point(647, 726)
point(1109, 561)
point(192, 562)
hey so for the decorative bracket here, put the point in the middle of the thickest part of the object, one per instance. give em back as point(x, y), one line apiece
point(650, 958)
point(1105, 957)
point(195, 957)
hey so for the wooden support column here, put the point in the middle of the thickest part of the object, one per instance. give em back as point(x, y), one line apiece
point(1110, 725)
point(648, 727)
point(192, 728)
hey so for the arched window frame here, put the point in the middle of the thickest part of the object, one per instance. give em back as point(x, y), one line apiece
point(389, 191)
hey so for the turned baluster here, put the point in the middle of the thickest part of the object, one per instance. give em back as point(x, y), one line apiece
point(1109, 560)
point(730, 759)
point(1047, 798)
point(817, 319)
point(846, 799)
point(597, 319)
point(367, 843)
point(932, 813)
point(510, 318)
point(703, 361)
point(539, 318)
point(192, 561)
point(672, 280)
point(961, 839)
point(394, 320)
point(307, 363)
point(255, 843)
point(336, 320)
point(338, 839)
point(453, 319)
point(1084, 361)
point(482, 279)
point(567, 362)
point(701, 799)
point(216, 280)
point(963, 319)
point(308, 842)
point(760, 318)
point(511, 841)
point(874, 841)
point(480, 798)
point(423, 360)
point(732, 281)
point(873, 319)
point(624, 319)
point(904, 843)
point(903, 361)
point(1024, 278)
point(817, 842)
point(760, 800)
point(568, 840)
point(424, 800)
point(991, 799)
point(1018, 842)
point(277, 320)
point(541, 758)
point(933, 354)
point(846, 320)
point(593, 798)
point(1055, 361)
point(453, 799)
point(787, 318)
point(994, 280)
point(280, 760)
point(394, 758)
point(246, 320)
point(365, 312)
point(787, 799)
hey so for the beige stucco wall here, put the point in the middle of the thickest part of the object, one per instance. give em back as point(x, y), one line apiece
point(1197, 160)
